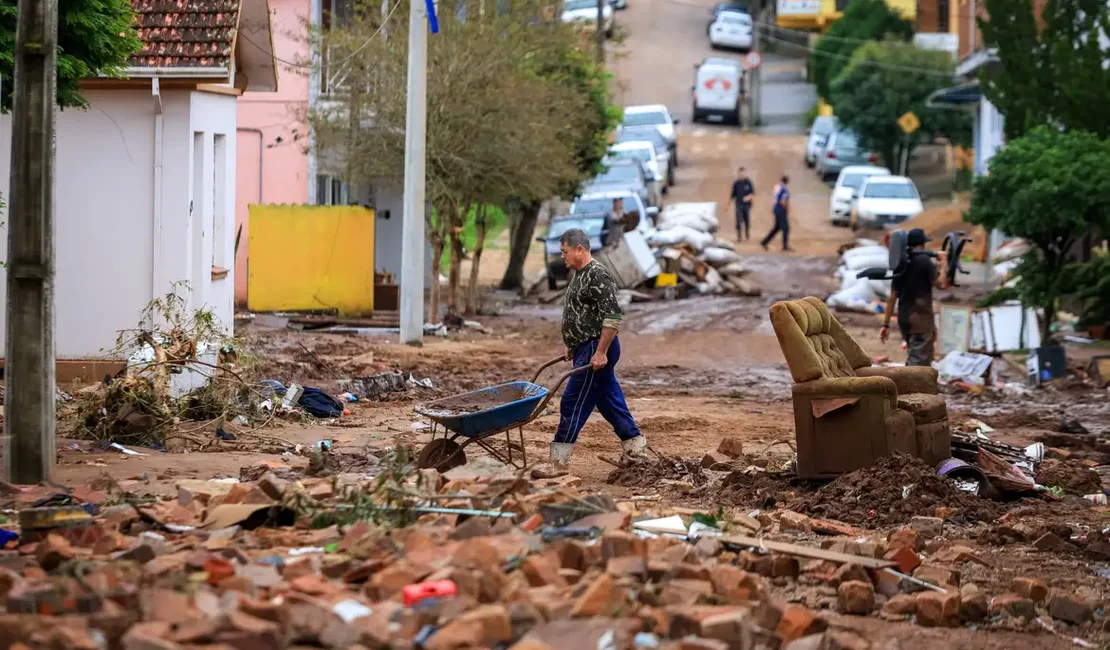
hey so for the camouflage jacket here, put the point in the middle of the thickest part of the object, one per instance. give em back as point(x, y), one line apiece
point(591, 304)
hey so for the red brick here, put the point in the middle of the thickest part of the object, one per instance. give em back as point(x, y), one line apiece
point(1030, 588)
point(542, 570)
point(798, 622)
point(1014, 605)
point(907, 560)
point(856, 597)
point(733, 628)
point(619, 544)
point(905, 537)
point(735, 583)
point(485, 626)
point(900, 605)
point(603, 597)
point(936, 609)
point(849, 572)
point(629, 565)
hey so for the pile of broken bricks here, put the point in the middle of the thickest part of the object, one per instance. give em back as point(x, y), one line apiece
point(563, 570)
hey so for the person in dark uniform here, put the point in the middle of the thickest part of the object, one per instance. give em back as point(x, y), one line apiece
point(781, 211)
point(743, 193)
point(912, 291)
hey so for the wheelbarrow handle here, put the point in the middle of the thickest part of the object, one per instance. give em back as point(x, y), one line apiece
point(545, 366)
point(555, 388)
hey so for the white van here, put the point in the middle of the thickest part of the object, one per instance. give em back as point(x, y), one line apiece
point(717, 89)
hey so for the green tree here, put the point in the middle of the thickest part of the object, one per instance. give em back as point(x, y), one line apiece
point(862, 20)
point(883, 82)
point(1049, 187)
point(501, 126)
point(95, 39)
point(578, 73)
point(1055, 73)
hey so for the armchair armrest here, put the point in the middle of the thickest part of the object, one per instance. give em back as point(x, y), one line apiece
point(849, 387)
point(908, 379)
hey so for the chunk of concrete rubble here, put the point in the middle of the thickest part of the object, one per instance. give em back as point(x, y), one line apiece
point(731, 447)
point(900, 607)
point(927, 527)
point(790, 520)
point(1069, 607)
point(716, 461)
point(1013, 605)
point(974, 605)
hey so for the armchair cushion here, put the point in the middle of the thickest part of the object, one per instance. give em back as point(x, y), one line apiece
point(850, 387)
point(924, 408)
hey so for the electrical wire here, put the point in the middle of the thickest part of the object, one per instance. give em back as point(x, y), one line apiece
point(875, 64)
point(331, 64)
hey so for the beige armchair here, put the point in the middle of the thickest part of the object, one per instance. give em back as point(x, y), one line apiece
point(848, 414)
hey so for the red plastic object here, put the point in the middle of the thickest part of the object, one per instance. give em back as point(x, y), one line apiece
point(420, 591)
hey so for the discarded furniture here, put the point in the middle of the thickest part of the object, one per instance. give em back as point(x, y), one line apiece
point(848, 414)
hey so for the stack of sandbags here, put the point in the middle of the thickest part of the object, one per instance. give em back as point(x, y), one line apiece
point(860, 294)
point(723, 258)
point(692, 224)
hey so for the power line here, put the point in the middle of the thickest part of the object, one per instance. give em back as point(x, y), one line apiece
point(331, 64)
point(875, 64)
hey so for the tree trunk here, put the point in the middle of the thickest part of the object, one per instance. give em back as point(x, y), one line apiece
point(519, 246)
point(454, 273)
point(472, 288)
point(435, 238)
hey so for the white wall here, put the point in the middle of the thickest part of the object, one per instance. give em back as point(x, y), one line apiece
point(105, 211)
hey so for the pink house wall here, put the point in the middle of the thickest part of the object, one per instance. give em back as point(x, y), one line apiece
point(278, 173)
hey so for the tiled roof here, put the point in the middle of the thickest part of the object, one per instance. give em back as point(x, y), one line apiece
point(186, 33)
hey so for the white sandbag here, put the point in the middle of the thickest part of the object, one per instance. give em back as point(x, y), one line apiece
point(856, 264)
point(734, 269)
point(863, 251)
point(861, 289)
point(867, 242)
point(701, 216)
point(854, 303)
point(692, 221)
point(723, 243)
point(680, 235)
point(881, 288)
point(1003, 270)
point(719, 256)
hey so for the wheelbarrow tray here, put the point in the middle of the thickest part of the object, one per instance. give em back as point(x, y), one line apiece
point(487, 410)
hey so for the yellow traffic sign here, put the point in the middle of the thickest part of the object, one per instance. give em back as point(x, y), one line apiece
point(909, 122)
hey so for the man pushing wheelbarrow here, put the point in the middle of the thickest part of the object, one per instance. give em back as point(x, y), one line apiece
point(591, 318)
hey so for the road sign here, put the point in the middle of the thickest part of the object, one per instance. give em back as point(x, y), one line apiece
point(752, 60)
point(909, 122)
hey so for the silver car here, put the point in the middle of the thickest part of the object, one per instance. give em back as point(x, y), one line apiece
point(842, 150)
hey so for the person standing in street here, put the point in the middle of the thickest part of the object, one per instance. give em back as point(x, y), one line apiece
point(781, 211)
point(591, 318)
point(743, 193)
point(913, 293)
point(614, 223)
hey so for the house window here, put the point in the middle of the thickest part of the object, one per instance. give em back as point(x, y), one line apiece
point(943, 22)
point(219, 201)
point(331, 191)
point(334, 13)
point(198, 219)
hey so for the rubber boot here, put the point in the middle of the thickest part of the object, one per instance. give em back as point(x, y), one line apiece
point(558, 463)
point(634, 449)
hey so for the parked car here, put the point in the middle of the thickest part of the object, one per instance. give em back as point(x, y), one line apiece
point(819, 133)
point(887, 201)
point(652, 178)
point(733, 30)
point(621, 175)
point(717, 89)
point(846, 191)
point(593, 202)
point(645, 152)
point(664, 155)
point(655, 115)
point(841, 150)
point(593, 223)
point(585, 12)
point(736, 5)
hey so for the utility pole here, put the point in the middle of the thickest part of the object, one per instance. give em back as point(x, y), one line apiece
point(599, 34)
point(416, 126)
point(755, 80)
point(29, 398)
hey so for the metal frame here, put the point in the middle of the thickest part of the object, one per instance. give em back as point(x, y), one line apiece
point(480, 439)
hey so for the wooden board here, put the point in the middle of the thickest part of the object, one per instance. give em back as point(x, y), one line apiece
point(807, 551)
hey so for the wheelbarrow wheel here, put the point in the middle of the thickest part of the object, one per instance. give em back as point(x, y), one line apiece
point(441, 454)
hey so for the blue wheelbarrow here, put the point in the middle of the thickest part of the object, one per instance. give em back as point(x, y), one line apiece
point(476, 416)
